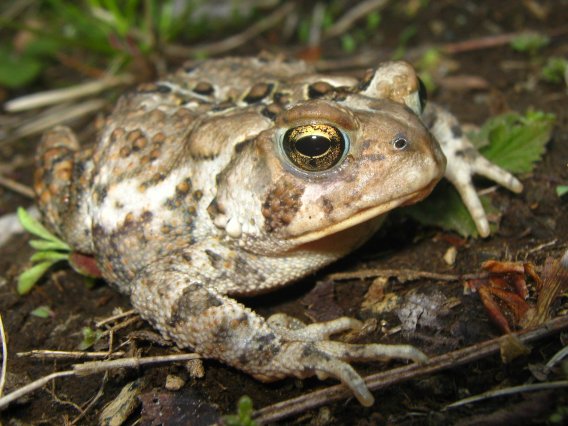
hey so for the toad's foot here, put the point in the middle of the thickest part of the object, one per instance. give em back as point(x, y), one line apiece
point(178, 302)
point(464, 161)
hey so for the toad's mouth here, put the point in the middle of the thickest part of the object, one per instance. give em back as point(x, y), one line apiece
point(364, 215)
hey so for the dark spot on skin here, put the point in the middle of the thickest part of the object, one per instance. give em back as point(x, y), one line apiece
point(222, 106)
point(258, 92)
point(214, 258)
point(281, 98)
point(124, 151)
point(456, 131)
point(146, 216)
point(100, 193)
point(340, 95)
point(327, 205)
point(203, 88)
point(193, 301)
point(186, 256)
point(281, 204)
point(197, 195)
point(319, 89)
point(213, 208)
point(154, 180)
point(271, 111)
point(189, 69)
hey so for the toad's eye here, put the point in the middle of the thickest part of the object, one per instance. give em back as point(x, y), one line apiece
point(315, 147)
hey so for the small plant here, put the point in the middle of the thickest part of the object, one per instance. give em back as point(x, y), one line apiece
point(555, 70)
point(529, 43)
point(90, 337)
point(42, 312)
point(244, 413)
point(561, 190)
point(49, 251)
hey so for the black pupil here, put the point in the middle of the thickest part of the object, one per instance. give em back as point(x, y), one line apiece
point(313, 146)
point(400, 143)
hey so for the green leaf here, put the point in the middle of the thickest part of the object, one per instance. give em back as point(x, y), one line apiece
point(529, 42)
point(244, 413)
point(517, 142)
point(33, 226)
point(17, 70)
point(514, 142)
point(444, 209)
point(554, 70)
point(42, 312)
point(90, 337)
point(348, 43)
point(44, 245)
point(30, 277)
point(53, 256)
point(561, 190)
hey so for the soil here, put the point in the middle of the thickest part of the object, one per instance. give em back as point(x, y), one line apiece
point(533, 226)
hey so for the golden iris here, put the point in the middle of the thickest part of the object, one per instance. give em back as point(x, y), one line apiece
point(314, 147)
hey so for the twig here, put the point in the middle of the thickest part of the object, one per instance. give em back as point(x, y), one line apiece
point(508, 391)
point(236, 40)
point(3, 372)
point(104, 321)
point(402, 274)
point(356, 12)
point(24, 390)
point(49, 354)
point(315, 399)
point(492, 41)
point(93, 367)
point(557, 357)
point(55, 116)
point(120, 325)
point(17, 187)
point(93, 401)
point(542, 246)
point(58, 96)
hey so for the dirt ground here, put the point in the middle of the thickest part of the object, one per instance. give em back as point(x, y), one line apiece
point(534, 226)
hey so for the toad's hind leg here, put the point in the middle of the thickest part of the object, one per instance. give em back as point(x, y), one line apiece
point(184, 305)
point(61, 186)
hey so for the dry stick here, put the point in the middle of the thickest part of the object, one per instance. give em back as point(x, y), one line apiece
point(58, 96)
point(493, 41)
point(359, 11)
point(3, 372)
point(475, 352)
point(93, 367)
point(93, 401)
point(401, 274)
point(49, 354)
point(236, 40)
point(115, 317)
point(17, 187)
point(55, 116)
point(509, 391)
point(24, 390)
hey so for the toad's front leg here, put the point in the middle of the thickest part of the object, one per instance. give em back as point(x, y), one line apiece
point(464, 161)
point(177, 299)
